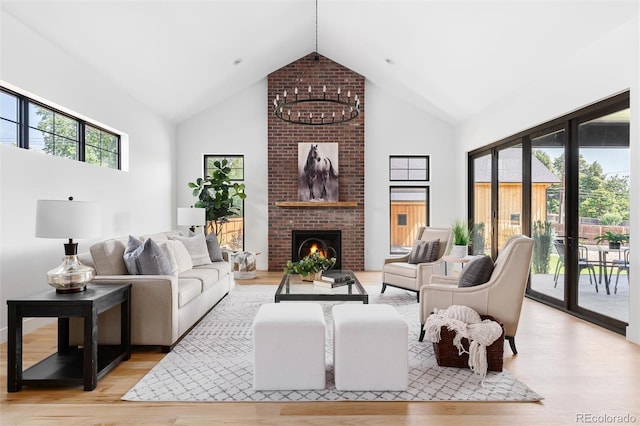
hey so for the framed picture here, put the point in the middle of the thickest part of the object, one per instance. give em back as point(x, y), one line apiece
point(409, 168)
point(317, 171)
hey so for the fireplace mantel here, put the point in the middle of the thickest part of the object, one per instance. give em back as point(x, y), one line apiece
point(294, 204)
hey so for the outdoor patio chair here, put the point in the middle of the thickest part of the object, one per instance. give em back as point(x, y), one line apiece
point(583, 262)
point(623, 265)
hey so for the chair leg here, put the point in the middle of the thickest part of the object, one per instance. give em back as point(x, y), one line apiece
point(418, 296)
point(421, 333)
point(592, 270)
point(556, 274)
point(384, 287)
point(512, 344)
point(615, 289)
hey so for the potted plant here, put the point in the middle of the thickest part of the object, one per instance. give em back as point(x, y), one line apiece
point(461, 239)
point(309, 266)
point(615, 239)
point(218, 196)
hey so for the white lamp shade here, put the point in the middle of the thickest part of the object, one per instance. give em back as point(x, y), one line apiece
point(67, 219)
point(191, 216)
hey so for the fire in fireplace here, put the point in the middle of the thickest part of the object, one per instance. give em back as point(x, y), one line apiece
point(327, 242)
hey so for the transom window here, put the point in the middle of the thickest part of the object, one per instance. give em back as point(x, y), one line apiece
point(28, 124)
point(409, 167)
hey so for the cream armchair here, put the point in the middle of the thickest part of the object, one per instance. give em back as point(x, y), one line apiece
point(501, 297)
point(398, 272)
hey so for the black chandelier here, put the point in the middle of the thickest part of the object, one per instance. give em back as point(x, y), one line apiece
point(315, 110)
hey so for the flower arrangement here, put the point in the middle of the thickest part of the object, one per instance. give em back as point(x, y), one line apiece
point(310, 265)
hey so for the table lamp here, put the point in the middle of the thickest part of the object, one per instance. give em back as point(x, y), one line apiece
point(191, 217)
point(68, 219)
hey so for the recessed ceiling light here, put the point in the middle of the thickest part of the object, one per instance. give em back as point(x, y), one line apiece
point(389, 61)
point(237, 61)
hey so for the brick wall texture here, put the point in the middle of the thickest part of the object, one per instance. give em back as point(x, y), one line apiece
point(283, 139)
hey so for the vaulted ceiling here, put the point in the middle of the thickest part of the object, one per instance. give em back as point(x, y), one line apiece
point(452, 58)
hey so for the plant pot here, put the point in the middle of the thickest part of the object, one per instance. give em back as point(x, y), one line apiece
point(312, 276)
point(459, 251)
point(614, 245)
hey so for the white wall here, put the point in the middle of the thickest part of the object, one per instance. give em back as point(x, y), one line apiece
point(140, 200)
point(236, 126)
point(607, 67)
point(394, 127)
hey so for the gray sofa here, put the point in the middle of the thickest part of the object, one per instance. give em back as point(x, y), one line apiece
point(163, 307)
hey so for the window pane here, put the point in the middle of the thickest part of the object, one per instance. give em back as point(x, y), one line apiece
point(92, 136)
point(92, 155)
point(408, 206)
point(418, 174)
point(109, 142)
point(399, 175)
point(8, 106)
point(418, 163)
point(65, 126)
point(509, 192)
point(37, 139)
point(413, 168)
point(399, 163)
point(110, 159)
point(40, 118)
point(234, 162)
point(8, 132)
point(481, 229)
point(65, 148)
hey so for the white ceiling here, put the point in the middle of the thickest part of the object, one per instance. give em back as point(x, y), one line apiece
point(452, 58)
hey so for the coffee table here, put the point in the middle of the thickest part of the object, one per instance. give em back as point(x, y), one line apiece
point(293, 288)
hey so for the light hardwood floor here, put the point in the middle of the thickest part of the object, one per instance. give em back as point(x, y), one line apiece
point(579, 368)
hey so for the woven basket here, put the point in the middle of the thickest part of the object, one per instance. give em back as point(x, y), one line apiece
point(447, 354)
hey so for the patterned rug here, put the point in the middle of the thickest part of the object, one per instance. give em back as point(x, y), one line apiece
point(214, 362)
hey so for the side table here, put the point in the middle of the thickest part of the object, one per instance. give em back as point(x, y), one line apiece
point(70, 365)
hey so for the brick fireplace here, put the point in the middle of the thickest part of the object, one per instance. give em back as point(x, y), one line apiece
point(283, 139)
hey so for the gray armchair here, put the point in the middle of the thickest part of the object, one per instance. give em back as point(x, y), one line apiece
point(501, 297)
point(398, 272)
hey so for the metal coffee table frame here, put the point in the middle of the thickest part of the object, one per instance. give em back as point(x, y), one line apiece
point(355, 292)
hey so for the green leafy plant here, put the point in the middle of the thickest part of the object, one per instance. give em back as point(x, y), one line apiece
point(615, 238)
point(311, 264)
point(461, 235)
point(542, 237)
point(611, 219)
point(218, 195)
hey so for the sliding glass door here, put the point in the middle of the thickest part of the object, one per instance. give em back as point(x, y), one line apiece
point(566, 184)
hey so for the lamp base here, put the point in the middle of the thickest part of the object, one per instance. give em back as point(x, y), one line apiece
point(70, 276)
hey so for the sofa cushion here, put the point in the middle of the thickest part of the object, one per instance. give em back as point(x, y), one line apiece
point(208, 277)
point(215, 253)
point(166, 247)
point(188, 289)
point(197, 248)
point(162, 236)
point(183, 258)
point(146, 258)
point(130, 255)
point(401, 268)
point(108, 256)
point(477, 271)
point(223, 267)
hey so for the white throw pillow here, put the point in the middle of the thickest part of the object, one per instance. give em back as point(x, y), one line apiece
point(197, 248)
point(182, 256)
point(166, 247)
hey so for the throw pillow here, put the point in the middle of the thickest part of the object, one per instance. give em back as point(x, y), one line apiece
point(418, 252)
point(433, 250)
point(215, 253)
point(476, 272)
point(152, 260)
point(130, 255)
point(183, 258)
point(146, 258)
point(197, 248)
point(166, 247)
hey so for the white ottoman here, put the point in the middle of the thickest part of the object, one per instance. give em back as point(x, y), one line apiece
point(370, 348)
point(288, 347)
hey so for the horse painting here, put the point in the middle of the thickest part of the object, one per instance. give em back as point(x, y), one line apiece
point(319, 170)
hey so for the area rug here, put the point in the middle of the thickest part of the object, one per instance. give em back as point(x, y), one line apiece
point(214, 362)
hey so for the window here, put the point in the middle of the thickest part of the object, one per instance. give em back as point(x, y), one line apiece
point(101, 148)
point(32, 125)
point(409, 211)
point(233, 231)
point(9, 123)
point(410, 168)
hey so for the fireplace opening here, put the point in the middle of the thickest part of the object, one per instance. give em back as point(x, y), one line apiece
point(327, 242)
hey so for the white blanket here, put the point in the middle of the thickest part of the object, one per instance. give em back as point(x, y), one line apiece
point(466, 323)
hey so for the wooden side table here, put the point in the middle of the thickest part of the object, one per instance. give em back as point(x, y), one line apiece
point(71, 365)
point(455, 259)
